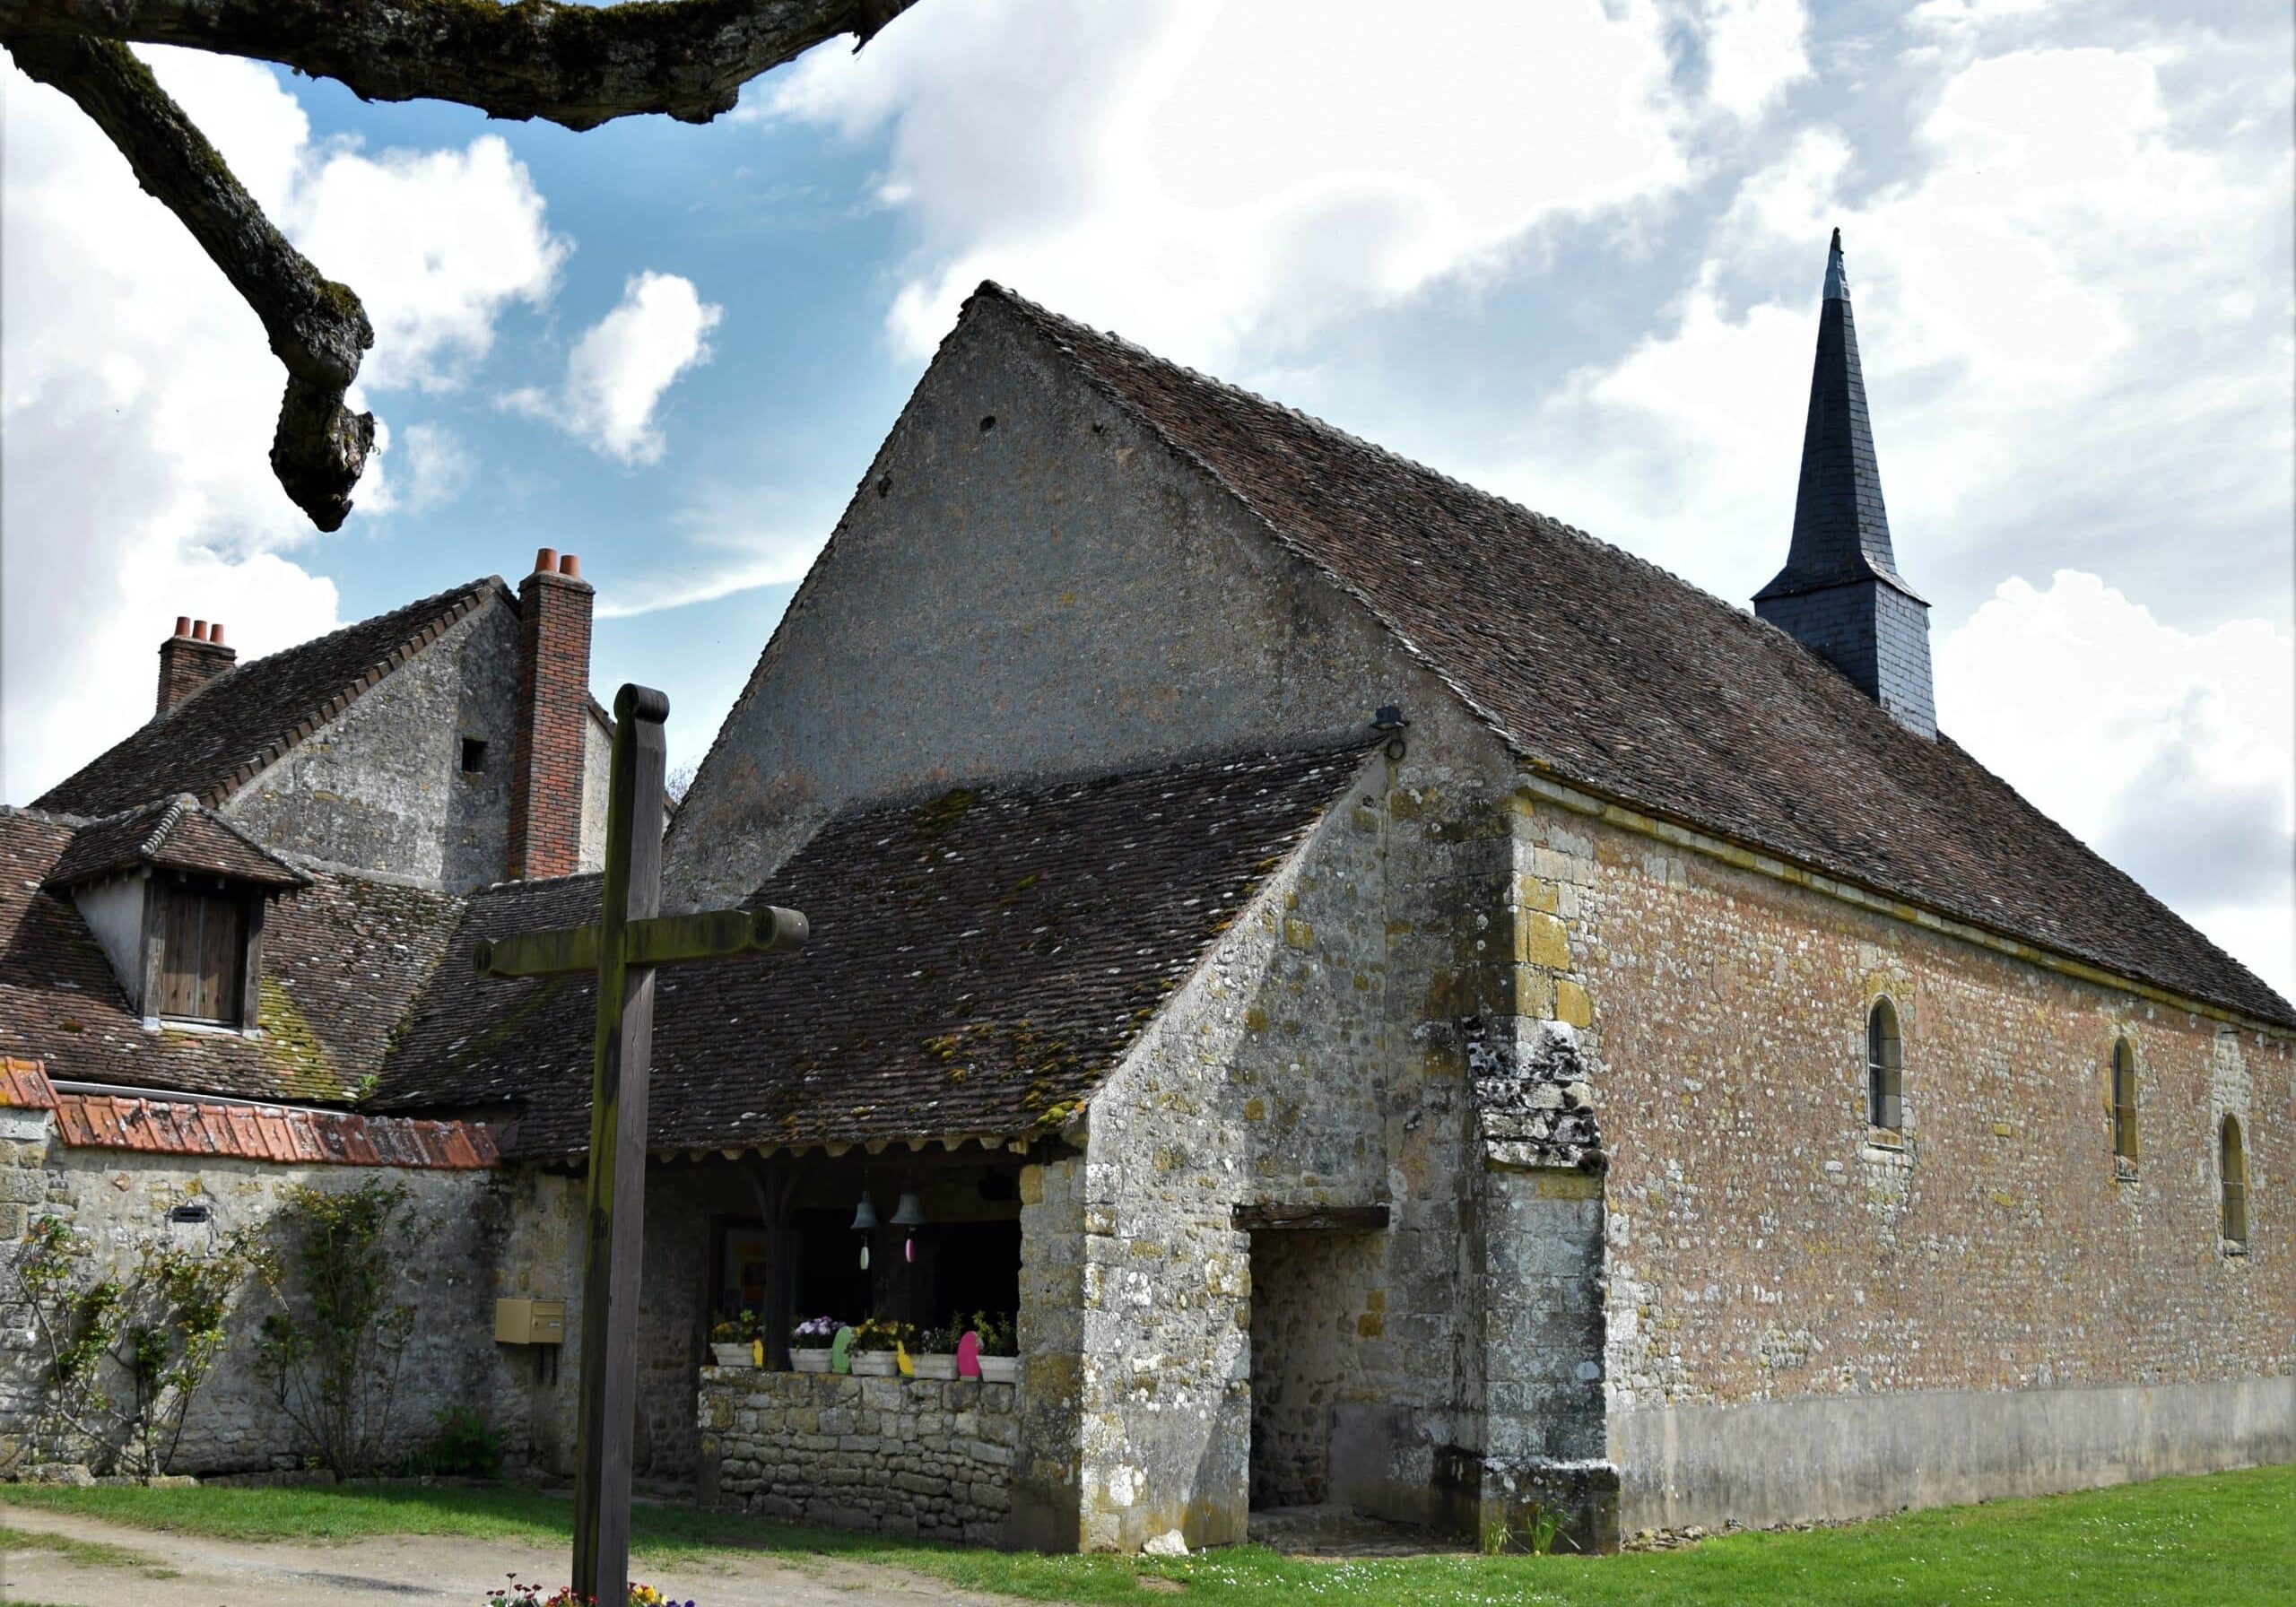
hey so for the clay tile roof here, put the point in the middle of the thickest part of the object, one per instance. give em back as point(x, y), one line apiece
point(237, 726)
point(1605, 671)
point(267, 1133)
point(978, 962)
point(173, 834)
point(342, 957)
point(24, 1085)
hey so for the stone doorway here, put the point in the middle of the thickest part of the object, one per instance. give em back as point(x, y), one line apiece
point(1303, 1330)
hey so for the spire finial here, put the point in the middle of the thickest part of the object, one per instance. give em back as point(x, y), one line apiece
point(1836, 275)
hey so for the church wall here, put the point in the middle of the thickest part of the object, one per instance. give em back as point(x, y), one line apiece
point(480, 1236)
point(1055, 593)
point(1318, 1060)
point(381, 787)
point(1805, 1321)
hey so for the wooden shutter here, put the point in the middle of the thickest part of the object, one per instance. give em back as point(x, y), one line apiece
point(203, 957)
point(222, 939)
point(179, 954)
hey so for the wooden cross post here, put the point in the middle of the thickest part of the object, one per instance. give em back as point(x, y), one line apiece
point(629, 940)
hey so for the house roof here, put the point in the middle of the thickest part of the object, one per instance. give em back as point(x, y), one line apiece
point(172, 834)
point(238, 725)
point(978, 961)
point(342, 958)
point(285, 1132)
point(1603, 671)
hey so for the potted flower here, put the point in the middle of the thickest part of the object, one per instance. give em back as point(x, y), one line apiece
point(732, 1340)
point(1000, 1349)
point(874, 1341)
point(937, 1352)
point(810, 1341)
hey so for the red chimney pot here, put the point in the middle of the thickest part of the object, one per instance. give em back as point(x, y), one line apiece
point(183, 624)
point(216, 633)
point(569, 566)
point(199, 630)
point(545, 560)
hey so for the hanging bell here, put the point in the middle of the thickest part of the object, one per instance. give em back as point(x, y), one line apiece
point(910, 1211)
point(865, 1215)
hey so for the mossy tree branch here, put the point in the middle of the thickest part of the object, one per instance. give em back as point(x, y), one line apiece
point(574, 64)
point(318, 327)
point(578, 65)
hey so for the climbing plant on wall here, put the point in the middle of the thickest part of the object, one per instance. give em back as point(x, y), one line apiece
point(331, 1352)
point(127, 1349)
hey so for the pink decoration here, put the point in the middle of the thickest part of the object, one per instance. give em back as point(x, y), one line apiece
point(968, 1355)
point(908, 1248)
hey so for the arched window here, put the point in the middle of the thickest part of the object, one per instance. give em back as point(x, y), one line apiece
point(1885, 1068)
point(2124, 1102)
point(2233, 1170)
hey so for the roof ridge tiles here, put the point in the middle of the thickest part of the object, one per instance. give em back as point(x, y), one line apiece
point(150, 760)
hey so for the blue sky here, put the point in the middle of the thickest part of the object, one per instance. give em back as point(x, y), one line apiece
point(1570, 252)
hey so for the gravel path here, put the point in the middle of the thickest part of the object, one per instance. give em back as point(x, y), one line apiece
point(415, 1569)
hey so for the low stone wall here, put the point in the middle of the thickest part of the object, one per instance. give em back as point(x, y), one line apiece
point(898, 1455)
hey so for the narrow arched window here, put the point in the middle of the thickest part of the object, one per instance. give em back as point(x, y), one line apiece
point(2232, 1171)
point(1885, 1068)
point(2124, 1102)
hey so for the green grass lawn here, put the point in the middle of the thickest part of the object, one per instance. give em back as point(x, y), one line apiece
point(2216, 1541)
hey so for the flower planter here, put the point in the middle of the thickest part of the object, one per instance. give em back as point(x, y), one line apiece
point(874, 1364)
point(936, 1367)
point(734, 1355)
point(811, 1358)
point(999, 1369)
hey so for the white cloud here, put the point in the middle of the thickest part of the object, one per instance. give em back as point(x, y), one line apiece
point(1754, 52)
point(418, 468)
point(618, 370)
point(140, 393)
point(1197, 174)
point(2073, 322)
point(2170, 753)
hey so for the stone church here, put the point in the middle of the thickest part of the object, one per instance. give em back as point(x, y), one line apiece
point(1416, 1010)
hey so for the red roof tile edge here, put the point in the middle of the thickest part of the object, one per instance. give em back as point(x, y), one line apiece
point(273, 1133)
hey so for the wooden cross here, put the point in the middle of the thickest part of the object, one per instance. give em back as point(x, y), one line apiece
point(629, 940)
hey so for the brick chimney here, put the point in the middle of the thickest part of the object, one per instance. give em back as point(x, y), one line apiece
point(546, 759)
point(191, 658)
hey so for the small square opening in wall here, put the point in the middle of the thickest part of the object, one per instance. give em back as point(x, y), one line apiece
point(474, 755)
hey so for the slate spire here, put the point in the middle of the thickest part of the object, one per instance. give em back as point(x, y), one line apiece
point(1840, 594)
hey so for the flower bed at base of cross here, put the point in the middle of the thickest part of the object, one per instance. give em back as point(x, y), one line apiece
point(519, 1594)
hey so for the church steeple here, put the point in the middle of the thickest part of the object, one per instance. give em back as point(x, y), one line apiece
point(1840, 594)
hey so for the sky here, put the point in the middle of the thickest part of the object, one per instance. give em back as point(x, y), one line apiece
point(1568, 252)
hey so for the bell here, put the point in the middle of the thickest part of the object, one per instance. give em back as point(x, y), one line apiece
point(865, 1215)
point(910, 1211)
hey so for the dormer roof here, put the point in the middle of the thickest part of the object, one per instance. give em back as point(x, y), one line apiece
point(174, 834)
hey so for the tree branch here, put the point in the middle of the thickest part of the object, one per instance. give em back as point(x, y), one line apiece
point(318, 329)
point(578, 65)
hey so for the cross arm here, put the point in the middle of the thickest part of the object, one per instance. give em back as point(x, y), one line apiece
point(660, 940)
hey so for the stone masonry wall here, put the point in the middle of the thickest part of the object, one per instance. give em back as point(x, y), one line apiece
point(1054, 592)
point(470, 1237)
point(1316, 1060)
point(382, 786)
point(898, 1455)
point(1767, 1250)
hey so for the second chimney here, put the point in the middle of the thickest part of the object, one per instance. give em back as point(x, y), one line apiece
point(191, 658)
point(552, 740)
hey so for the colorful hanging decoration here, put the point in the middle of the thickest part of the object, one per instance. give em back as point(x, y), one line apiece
point(907, 1214)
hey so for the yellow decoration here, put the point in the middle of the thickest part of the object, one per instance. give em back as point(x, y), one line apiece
point(901, 1360)
point(757, 1352)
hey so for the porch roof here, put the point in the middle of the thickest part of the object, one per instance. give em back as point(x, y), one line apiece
point(979, 961)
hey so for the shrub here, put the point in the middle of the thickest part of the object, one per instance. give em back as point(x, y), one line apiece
point(997, 1332)
point(882, 1334)
point(466, 1447)
point(331, 1353)
point(126, 1353)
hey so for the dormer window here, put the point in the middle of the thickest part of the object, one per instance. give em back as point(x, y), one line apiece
point(174, 895)
point(201, 968)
